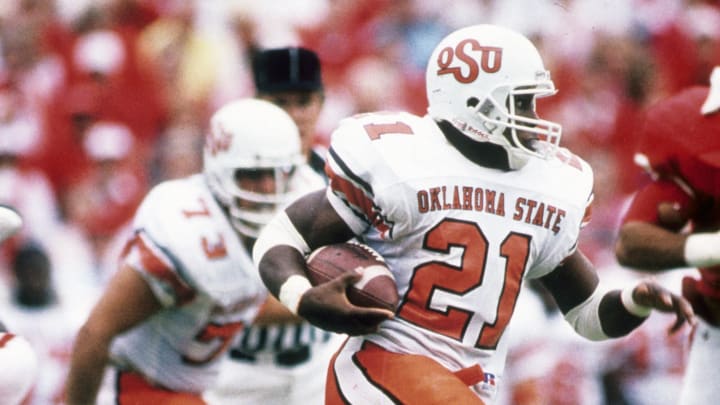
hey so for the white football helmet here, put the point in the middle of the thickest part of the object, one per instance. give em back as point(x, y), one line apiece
point(10, 222)
point(245, 136)
point(472, 78)
point(19, 368)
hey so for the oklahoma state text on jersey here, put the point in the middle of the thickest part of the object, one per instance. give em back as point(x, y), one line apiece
point(468, 198)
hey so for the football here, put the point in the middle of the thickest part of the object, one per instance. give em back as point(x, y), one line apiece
point(376, 288)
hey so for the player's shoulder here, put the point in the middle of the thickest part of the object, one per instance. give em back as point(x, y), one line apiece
point(565, 173)
point(664, 118)
point(675, 130)
point(192, 235)
point(168, 205)
point(377, 138)
point(375, 126)
point(367, 146)
point(567, 163)
point(688, 99)
point(171, 193)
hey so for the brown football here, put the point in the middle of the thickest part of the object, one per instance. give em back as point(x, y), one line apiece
point(376, 288)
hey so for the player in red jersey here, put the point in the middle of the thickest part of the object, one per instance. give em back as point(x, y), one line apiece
point(674, 221)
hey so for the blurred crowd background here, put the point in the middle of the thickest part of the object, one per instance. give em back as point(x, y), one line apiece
point(102, 99)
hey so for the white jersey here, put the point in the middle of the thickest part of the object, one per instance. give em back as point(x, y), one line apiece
point(186, 249)
point(51, 331)
point(459, 238)
point(281, 363)
point(18, 368)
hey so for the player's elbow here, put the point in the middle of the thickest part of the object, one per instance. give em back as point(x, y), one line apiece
point(628, 251)
point(585, 318)
point(91, 335)
point(636, 251)
point(623, 253)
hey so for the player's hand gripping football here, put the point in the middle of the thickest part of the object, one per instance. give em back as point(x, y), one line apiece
point(327, 306)
point(649, 293)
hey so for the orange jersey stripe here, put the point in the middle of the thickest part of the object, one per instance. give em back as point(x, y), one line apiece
point(358, 199)
point(134, 389)
point(5, 338)
point(160, 268)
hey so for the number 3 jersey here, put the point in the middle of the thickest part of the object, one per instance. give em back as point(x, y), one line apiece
point(196, 266)
point(459, 238)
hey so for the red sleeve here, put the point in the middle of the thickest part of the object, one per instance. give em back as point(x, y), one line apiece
point(644, 206)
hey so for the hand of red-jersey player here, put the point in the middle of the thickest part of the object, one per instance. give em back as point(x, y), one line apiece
point(651, 294)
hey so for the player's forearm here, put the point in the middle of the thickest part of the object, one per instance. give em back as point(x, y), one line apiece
point(594, 312)
point(282, 270)
point(279, 253)
point(615, 318)
point(279, 264)
point(649, 247)
point(273, 312)
point(603, 316)
point(616, 313)
point(90, 356)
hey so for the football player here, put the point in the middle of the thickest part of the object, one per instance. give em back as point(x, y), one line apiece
point(10, 222)
point(186, 284)
point(464, 204)
point(279, 362)
point(674, 221)
point(18, 358)
point(19, 367)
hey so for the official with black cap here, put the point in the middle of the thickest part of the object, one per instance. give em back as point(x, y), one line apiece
point(291, 77)
point(286, 69)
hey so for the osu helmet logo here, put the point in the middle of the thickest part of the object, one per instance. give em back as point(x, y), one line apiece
point(218, 141)
point(490, 60)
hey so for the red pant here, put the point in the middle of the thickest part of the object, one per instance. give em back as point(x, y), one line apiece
point(133, 389)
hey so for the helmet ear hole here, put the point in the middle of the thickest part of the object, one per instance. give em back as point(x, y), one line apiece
point(487, 108)
point(472, 102)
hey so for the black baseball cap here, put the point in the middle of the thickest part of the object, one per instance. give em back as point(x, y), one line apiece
point(286, 69)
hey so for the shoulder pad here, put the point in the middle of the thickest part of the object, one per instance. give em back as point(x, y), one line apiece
point(184, 221)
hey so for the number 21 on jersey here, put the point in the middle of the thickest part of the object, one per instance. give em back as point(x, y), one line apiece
point(431, 277)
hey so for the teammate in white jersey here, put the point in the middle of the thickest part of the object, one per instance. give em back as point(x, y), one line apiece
point(464, 204)
point(10, 222)
point(19, 367)
point(283, 362)
point(18, 359)
point(186, 284)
